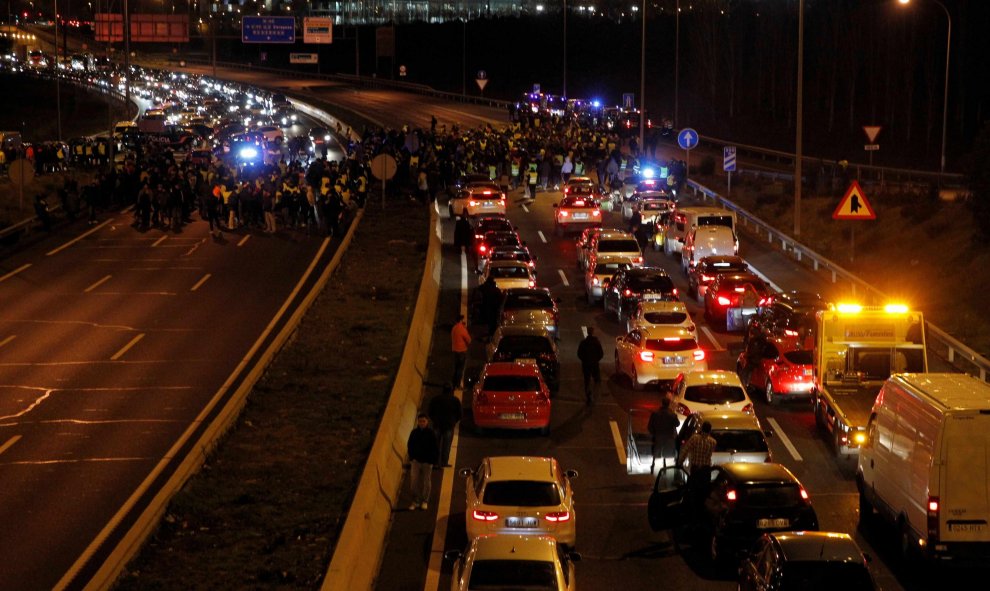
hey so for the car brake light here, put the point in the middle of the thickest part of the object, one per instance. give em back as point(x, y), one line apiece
point(706, 278)
point(730, 495)
point(748, 408)
point(675, 292)
point(482, 248)
point(558, 516)
point(739, 289)
point(563, 214)
point(790, 333)
point(723, 301)
point(682, 409)
point(532, 283)
point(472, 203)
point(484, 515)
point(595, 281)
point(646, 356)
point(804, 494)
point(486, 192)
point(671, 338)
point(531, 264)
point(627, 293)
point(933, 512)
point(638, 260)
point(579, 203)
point(596, 213)
point(699, 355)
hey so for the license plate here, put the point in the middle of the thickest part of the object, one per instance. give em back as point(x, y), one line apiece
point(773, 523)
point(521, 522)
point(580, 216)
point(807, 372)
point(967, 527)
point(489, 204)
point(652, 297)
point(512, 416)
point(673, 360)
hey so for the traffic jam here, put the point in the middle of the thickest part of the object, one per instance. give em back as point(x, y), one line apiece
point(689, 328)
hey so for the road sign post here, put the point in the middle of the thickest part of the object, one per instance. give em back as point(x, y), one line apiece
point(729, 165)
point(687, 139)
point(383, 168)
point(854, 206)
point(21, 173)
point(871, 131)
point(481, 79)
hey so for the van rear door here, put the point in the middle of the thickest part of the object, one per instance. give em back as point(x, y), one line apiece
point(964, 491)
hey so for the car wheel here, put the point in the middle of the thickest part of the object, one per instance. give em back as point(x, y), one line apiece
point(771, 396)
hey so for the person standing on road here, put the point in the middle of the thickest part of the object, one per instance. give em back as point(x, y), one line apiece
point(445, 411)
point(463, 234)
point(697, 450)
point(663, 432)
point(491, 300)
point(590, 353)
point(423, 454)
point(460, 340)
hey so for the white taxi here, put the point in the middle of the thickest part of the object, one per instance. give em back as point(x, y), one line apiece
point(650, 313)
point(655, 354)
point(709, 391)
point(513, 562)
point(576, 211)
point(478, 200)
point(508, 274)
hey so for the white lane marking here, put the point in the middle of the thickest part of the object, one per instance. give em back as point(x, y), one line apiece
point(126, 347)
point(764, 278)
point(447, 482)
point(97, 284)
point(563, 277)
point(7, 340)
point(711, 337)
point(77, 238)
point(14, 272)
point(526, 209)
point(617, 438)
point(584, 331)
point(200, 282)
point(10, 443)
point(784, 439)
point(243, 240)
point(159, 241)
point(542, 237)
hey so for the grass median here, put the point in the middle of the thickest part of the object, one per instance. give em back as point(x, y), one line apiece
point(266, 509)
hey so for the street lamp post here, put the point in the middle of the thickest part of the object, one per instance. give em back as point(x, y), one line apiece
point(798, 140)
point(677, 58)
point(58, 79)
point(564, 89)
point(642, 78)
point(945, 92)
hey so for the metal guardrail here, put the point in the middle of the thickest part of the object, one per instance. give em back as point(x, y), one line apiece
point(945, 345)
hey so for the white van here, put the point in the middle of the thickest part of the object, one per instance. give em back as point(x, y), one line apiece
point(706, 241)
point(925, 466)
point(684, 220)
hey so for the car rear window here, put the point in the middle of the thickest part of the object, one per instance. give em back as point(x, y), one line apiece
point(502, 239)
point(714, 394)
point(671, 344)
point(771, 495)
point(528, 301)
point(746, 284)
point(518, 345)
point(511, 384)
point(798, 357)
point(715, 220)
point(521, 493)
point(665, 317)
point(824, 575)
point(609, 268)
point(618, 246)
point(582, 201)
point(743, 440)
point(526, 575)
point(651, 282)
point(493, 224)
point(510, 272)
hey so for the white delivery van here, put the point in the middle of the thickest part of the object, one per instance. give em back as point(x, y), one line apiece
point(682, 221)
point(925, 466)
point(706, 241)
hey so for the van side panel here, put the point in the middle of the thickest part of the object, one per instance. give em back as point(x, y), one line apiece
point(964, 486)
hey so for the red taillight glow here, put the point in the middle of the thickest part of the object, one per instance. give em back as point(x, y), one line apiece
point(933, 518)
point(730, 495)
point(638, 260)
point(675, 291)
point(532, 283)
point(563, 214)
point(804, 494)
point(699, 355)
point(482, 248)
point(671, 339)
point(595, 281)
point(627, 293)
point(486, 192)
point(558, 516)
point(706, 278)
point(790, 333)
point(739, 289)
point(933, 504)
point(724, 301)
point(472, 203)
point(484, 515)
point(646, 356)
point(748, 408)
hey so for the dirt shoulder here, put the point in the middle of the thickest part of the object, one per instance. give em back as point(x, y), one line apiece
point(266, 509)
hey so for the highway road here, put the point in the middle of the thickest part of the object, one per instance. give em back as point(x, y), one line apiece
point(614, 539)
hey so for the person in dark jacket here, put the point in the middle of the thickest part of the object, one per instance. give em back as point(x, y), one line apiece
point(491, 300)
point(590, 353)
point(663, 432)
point(445, 412)
point(463, 234)
point(423, 454)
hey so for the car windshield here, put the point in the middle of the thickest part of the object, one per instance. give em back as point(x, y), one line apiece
point(798, 357)
point(771, 494)
point(822, 575)
point(514, 346)
point(651, 282)
point(671, 344)
point(618, 246)
point(742, 440)
point(513, 575)
point(714, 394)
point(665, 317)
point(521, 493)
point(511, 384)
point(528, 301)
point(510, 272)
point(510, 256)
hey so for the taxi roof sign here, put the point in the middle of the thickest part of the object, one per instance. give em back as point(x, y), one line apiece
point(854, 205)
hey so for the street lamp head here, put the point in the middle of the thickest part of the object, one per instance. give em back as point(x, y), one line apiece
point(904, 1)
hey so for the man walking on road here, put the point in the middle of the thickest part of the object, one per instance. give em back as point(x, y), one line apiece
point(697, 450)
point(460, 340)
point(590, 353)
point(423, 454)
point(663, 432)
point(445, 412)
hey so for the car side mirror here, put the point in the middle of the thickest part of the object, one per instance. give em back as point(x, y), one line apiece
point(452, 555)
point(571, 473)
point(768, 432)
point(574, 557)
point(465, 472)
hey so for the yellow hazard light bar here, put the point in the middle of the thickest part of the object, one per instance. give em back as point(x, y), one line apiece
point(849, 308)
point(895, 309)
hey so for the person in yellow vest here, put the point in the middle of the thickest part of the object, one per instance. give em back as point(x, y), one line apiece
point(533, 177)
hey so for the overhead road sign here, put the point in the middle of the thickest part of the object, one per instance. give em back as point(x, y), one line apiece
point(687, 138)
point(160, 28)
point(268, 29)
point(872, 131)
point(304, 58)
point(729, 158)
point(854, 205)
point(317, 29)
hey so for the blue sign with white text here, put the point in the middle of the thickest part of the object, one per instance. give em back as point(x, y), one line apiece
point(268, 29)
point(687, 138)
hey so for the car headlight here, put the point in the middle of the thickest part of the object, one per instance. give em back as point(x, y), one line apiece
point(293, 117)
point(248, 153)
point(326, 137)
point(284, 121)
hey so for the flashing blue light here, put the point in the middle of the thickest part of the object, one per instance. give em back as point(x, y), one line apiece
point(248, 153)
point(596, 104)
point(648, 173)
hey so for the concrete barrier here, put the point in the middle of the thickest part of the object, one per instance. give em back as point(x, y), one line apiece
point(361, 544)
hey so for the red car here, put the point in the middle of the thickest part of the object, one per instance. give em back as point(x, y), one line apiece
point(511, 395)
point(779, 368)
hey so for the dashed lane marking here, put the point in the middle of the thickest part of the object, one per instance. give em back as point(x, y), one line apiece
point(7, 340)
point(563, 277)
point(542, 237)
point(526, 209)
point(160, 240)
point(97, 284)
point(711, 337)
point(200, 282)
point(10, 442)
point(784, 439)
point(243, 240)
point(14, 272)
point(620, 449)
point(78, 238)
point(127, 347)
point(584, 331)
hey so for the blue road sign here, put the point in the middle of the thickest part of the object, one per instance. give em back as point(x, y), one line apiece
point(628, 100)
point(268, 29)
point(536, 88)
point(729, 158)
point(687, 138)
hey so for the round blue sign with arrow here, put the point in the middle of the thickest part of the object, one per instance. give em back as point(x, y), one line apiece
point(687, 138)
point(482, 75)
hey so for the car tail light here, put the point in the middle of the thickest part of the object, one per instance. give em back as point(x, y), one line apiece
point(790, 333)
point(804, 494)
point(595, 281)
point(724, 301)
point(682, 409)
point(627, 293)
point(731, 495)
point(596, 213)
point(482, 248)
point(646, 356)
point(933, 511)
point(472, 203)
point(638, 260)
point(484, 515)
point(739, 289)
point(531, 264)
point(675, 292)
point(706, 278)
point(563, 214)
point(558, 516)
point(532, 283)
point(764, 302)
point(699, 355)
point(748, 408)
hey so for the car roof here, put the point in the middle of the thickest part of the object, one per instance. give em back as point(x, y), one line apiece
point(527, 290)
point(534, 468)
point(662, 306)
point(814, 546)
point(712, 376)
point(802, 299)
point(512, 368)
point(729, 419)
point(759, 472)
point(644, 271)
point(513, 330)
point(508, 263)
point(515, 547)
point(606, 257)
point(666, 331)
